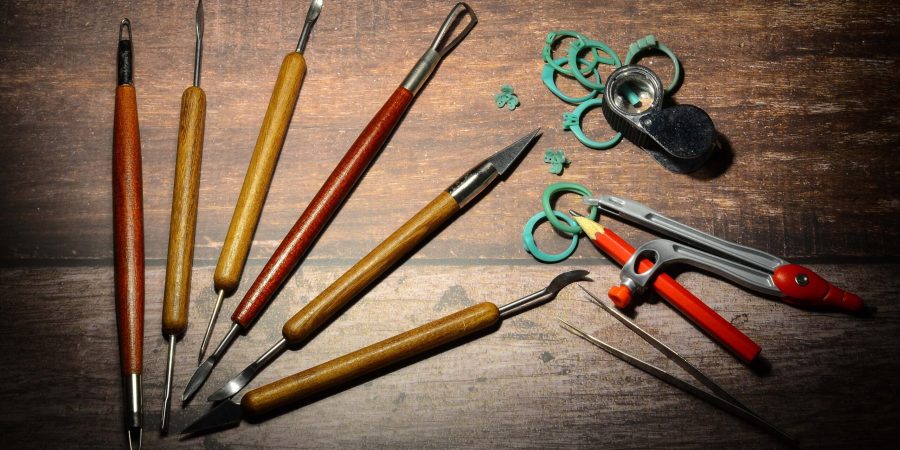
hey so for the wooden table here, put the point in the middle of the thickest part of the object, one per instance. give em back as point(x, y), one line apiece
point(805, 94)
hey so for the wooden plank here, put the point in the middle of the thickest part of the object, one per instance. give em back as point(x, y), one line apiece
point(527, 383)
point(789, 85)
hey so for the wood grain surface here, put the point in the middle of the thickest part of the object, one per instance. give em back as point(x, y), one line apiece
point(369, 268)
point(322, 207)
point(183, 226)
point(128, 226)
point(804, 93)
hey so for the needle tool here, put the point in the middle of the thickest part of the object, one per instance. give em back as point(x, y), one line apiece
point(748, 267)
point(673, 292)
point(298, 387)
point(415, 231)
point(128, 237)
point(334, 191)
point(184, 215)
point(720, 397)
point(259, 175)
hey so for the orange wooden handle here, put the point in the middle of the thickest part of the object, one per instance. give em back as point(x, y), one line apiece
point(128, 230)
point(370, 267)
point(184, 211)
point(376, 356)
point(259, 173)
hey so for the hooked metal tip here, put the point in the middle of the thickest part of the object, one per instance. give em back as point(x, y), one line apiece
point(544, 295)
point(125, 23)
point(440, 44)
point(315, 8)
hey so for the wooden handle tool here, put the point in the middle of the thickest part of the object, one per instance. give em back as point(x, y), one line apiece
point(337, 372)
point(259, 174)
point(186, 192)
point(383, 257)
point(128, 232)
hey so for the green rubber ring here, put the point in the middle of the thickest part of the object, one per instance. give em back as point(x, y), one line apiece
point(572, 122)
point(547, 52)
point(531, 246)
point(565, 186)
point(548, 77)
point(650, 43)
point(578, 46)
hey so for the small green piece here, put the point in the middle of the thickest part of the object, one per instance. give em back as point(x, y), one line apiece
point(531, 246)
point(507, 97)
point(557, 160)
point(649, 42)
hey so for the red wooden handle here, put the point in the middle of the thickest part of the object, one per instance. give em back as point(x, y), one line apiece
point(682, 299)
point(128, 230)
point(322, 207)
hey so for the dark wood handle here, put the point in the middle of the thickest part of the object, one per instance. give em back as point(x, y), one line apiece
point(128, 230)
point(322, 207)
point(370, 267)
point(184, 211)
point(333, 373)
point(259, 173)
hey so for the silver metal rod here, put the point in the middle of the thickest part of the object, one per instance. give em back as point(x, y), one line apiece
point(198, 46)
point(167, 399)
point(311, 15)
point(212, 324)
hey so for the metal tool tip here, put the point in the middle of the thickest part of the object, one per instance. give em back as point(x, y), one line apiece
point(234, 385)
point(199, 19)
point(125, 24)
point(198, 378)
point(315, 8)
point(222, 416)
point(134, 438)
point(564, 279)
point(505, 158)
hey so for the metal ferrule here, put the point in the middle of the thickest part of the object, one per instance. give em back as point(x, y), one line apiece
point(421, 71)
point(472, 183)
point(134, 409)
point(124, 56)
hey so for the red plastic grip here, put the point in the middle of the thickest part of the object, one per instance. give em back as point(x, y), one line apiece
point(683, 300)
point(804, 287)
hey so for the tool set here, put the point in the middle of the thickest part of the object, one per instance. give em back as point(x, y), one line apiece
point(679, 137)
point(331, 195)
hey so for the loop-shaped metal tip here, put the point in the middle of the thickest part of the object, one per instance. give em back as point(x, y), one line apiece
point(315, 7)
point(440, 44)
point(125, 24)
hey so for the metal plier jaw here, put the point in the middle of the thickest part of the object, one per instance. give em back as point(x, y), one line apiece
point(745, 266)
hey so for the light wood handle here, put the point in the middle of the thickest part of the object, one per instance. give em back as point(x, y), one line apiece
point(338, 371)
point(184, 211)
point(128, 230)
point(334, 297)
point(259, 173)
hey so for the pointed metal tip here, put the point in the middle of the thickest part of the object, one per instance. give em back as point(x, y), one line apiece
point(224, 415)
point(198, 378)
point(198, 17)
point(505, 158)
point(234, 385)
point(134, 438)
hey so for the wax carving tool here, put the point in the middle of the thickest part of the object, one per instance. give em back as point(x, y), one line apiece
point(320, 310)
point(184, 215)
point(720, 398)
point(339, 371)
point(748, 267)
point(335, 189)
point(259, 173)
point(672, 292)
point(128, 231)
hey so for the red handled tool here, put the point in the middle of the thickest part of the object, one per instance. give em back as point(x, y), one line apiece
point(672, 292)
point(751, 268)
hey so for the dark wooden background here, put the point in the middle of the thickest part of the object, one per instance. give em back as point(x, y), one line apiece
point(805, 93)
